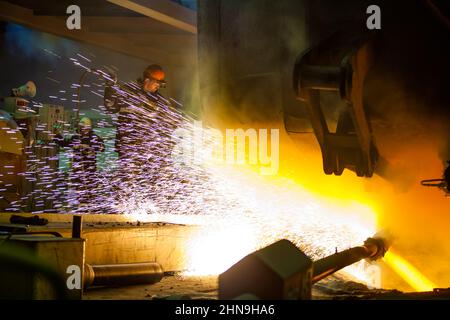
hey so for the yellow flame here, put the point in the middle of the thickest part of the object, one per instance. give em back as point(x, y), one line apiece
point(264, 210)
point(408, 272)
point(214, 250)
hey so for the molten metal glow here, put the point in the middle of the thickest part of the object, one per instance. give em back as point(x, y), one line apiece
point(408, 272)
point(211, 251)
point(261, 211)
point(238, 211)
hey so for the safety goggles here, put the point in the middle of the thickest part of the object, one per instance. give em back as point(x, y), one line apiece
point(162, 83)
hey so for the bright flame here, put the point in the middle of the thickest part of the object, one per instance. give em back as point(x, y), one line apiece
point(215, 250)
point(258, 212)
point(408, 272)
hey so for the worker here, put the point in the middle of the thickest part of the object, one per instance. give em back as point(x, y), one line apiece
point(85, 145)
point(141, 110)
point(145, 123)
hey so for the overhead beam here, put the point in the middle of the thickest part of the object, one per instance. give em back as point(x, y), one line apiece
point(176, 43)
point(88, 7)
point(139, 25)
point(164, 11)
point(86, 10)
point(57, 26)
point(181, 47)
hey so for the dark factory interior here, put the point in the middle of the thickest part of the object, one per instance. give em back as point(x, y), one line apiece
point(224, 150)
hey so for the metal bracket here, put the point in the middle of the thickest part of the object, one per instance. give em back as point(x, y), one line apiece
point(340, 64)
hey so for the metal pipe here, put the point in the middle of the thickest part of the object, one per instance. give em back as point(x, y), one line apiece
point(373, 248)
point(122, 274)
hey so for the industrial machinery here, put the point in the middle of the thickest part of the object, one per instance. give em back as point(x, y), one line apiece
point(282, 271)
point(339, 64)
point(27, 151)
point(15, 112)
point(373, 249)
point(443, 183)
point(253, 78)
point(312, 70)
point(17, 104)
point(17, 121)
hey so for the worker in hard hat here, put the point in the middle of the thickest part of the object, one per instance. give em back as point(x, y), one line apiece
point(145, 123)
point(88, 145)
point(142, 111)
point(84, 146)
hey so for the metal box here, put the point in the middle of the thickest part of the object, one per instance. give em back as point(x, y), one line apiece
point(61, 254)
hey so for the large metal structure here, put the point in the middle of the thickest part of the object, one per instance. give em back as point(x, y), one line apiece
point(246, 73)
point(247, 68)
point(339, 64)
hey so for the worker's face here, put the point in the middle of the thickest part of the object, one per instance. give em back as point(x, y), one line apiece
point(85, 129)
point(151, 85)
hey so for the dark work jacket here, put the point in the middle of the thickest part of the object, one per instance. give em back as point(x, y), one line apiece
point(143, 119)
point(85, 149)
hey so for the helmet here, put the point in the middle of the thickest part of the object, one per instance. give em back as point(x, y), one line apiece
point(155, 72)
point(85, 122)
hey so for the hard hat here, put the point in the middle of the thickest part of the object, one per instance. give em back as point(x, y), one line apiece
point(86, 122)
point(155, 72)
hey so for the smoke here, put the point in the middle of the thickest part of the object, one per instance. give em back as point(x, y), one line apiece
point(411, 136)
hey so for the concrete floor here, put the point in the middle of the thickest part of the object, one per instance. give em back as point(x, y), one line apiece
point(194, 287)
point(191, 287)
point(206, 287)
